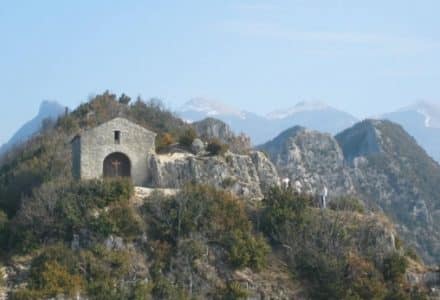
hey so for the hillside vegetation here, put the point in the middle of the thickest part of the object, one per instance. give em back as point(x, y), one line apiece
point(47, 155)
point(89, 239)
point(99, 240)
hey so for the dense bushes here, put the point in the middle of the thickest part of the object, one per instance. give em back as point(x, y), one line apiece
point(283, 207)
point(213, 217)
point(232, 291)
point(394, 267)
point(187, 137)
point(97, 273)
point(347, 204)
point(216, 147)
point(330, 249)
point(57, 210)
point(34, 163)
point(246, 250)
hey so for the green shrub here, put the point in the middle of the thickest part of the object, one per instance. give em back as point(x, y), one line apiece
point(27, 294)
point(228, 182)
point(394, 267)
point(196, 209)
point(187, 137)
point(143, 291)
point(419, 294)
point(164, 289)
point(396, 293)
point(283, 207)
point(4, 230)
point(325, 274)
point(216, 147)
point(209, 214)
point(57, 210)
point(53, 273)
point(233, 291)
point(246, 250)
point(30, 167)
point(363, 279)
point(347, 204)
point(68, 124)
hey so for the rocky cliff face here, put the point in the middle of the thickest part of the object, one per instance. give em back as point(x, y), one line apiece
point(362, 139)
point(375, 160)
point(212, 128)
point(311, 160)
point(245, 175)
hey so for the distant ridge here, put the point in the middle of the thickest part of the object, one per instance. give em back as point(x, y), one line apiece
point(422, 121)
point(48, 110)
point(314, 115)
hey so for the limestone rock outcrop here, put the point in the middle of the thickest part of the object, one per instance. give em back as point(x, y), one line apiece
point(245, 175)
point(376, 161)
point(311, 160)
point(211, 128)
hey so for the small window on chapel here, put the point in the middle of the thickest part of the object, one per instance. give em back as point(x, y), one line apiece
point(117, 137)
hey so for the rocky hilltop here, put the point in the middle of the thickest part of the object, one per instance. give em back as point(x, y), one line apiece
point(311, 160)
point(393, 173)
point(376, 161)
point(245, 175)
point(210, 128)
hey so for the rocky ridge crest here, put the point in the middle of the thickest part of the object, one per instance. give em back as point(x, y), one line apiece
point(376, 161)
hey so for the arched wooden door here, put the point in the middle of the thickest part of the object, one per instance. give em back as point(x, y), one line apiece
point(117, 165)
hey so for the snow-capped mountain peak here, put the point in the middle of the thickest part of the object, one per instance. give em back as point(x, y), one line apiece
point(430, 111)
point(299, 107)
point(211, 108)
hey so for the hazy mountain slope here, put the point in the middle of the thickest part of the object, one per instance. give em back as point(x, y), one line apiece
point(392, 172)
point(313, 115)
point(48, 110)
point(422, 121)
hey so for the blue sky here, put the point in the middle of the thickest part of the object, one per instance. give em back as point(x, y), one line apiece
point(364, 57)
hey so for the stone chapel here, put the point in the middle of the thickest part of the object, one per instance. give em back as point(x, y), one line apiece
point(117, 148)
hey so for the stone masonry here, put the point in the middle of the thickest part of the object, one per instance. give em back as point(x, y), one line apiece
point(117, 136)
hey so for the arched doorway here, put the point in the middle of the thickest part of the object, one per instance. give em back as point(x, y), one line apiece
point(117, 165)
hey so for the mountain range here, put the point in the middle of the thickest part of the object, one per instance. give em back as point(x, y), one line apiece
point(313, 115)
point(421, 120)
